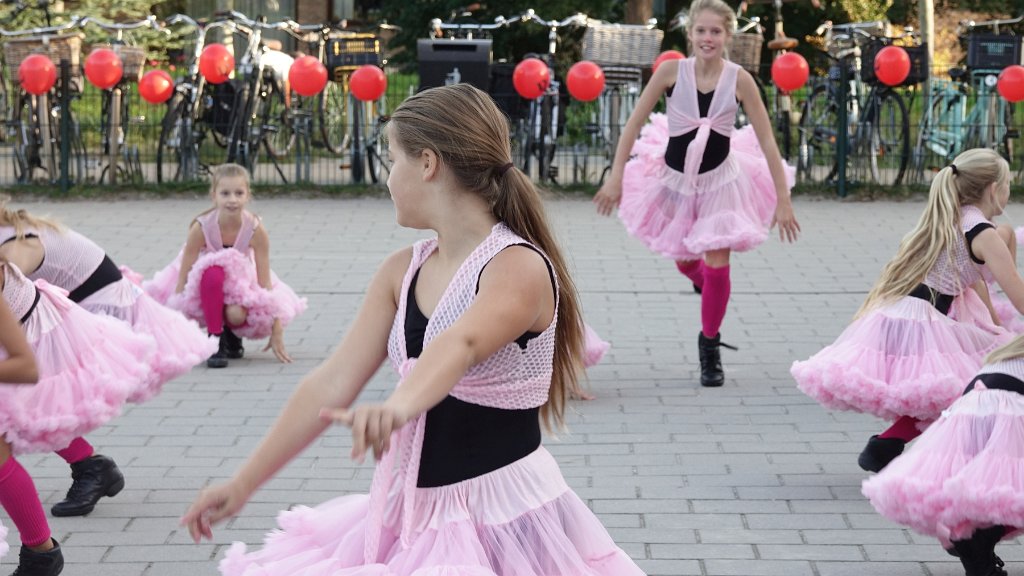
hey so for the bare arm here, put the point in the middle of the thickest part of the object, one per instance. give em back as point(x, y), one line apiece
point(981, 289)
point(20, 365)
point(608, 196)
point(261, 251)
point(190, 254)
point(750, 97)
point(988, 246)
point(515, 296)
point(335, 383)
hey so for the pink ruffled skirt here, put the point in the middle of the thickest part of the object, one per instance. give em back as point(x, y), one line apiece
point(520, 520)
point(683, 216)
point(180, 342)
point(965, 472)
point(594, 347)
point(902, 359)
point(89, 364)
point(241, 288)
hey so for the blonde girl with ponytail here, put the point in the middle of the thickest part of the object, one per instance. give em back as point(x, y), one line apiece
point(927, 324)
point(482, 324)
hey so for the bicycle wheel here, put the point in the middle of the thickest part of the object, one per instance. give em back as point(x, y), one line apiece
point(818, 128)
point(889, 139)
point(546, 140)
point(331, 112)
point(1010, 133)
point(275, 127)
point(177, 153)
point(26, 139)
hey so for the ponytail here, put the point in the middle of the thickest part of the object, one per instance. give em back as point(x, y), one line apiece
point(22, 221)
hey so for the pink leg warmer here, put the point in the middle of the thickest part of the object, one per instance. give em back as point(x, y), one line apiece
point(20, 499)
point(211, 297)
point(905, 429)
point(692, 269)
point(78, 450)
point(714, 299)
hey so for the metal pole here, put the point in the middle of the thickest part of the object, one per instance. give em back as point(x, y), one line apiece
point(114, 134)
point(842, 130)
point(65, 124)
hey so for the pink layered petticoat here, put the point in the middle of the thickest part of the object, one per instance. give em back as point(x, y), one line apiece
point(902, 359)
point(520, 520)
point(181, 342)
point(965, 472)
point(682, 216)
point(89, 364)
point(241, 287)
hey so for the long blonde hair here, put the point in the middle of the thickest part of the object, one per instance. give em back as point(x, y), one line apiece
point(22, 221)
point(1014, 349)
point(476, 151)
point(222, 171)
point(960, 184)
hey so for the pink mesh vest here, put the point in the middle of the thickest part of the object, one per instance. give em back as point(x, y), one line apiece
point(69, 259)
point(513, 378)
point(19, 291)
point(211, 231)
point(1012, 367)
point(953, 277)
point(684, 114)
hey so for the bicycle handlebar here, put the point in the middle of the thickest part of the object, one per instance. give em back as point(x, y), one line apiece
point(968, 26)
point(151, 22)
point(75, 22)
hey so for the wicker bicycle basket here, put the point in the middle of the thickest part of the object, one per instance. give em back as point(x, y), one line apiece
point(614, 45)
point(133, 58)
point(745, 50)
point(61, 47)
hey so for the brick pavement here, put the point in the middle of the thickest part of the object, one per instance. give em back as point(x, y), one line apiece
point(751, 479)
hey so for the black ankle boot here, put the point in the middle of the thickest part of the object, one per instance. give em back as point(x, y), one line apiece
point(711, 373)
point(978, 553)
point(879, 452)
point(94, 478)
point(219, 359)
point(231, 344)
point(31, 563)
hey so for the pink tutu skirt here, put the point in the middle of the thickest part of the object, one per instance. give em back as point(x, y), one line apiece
point(594, 347)
point(902, 359)
point(682, 216)
point(965, 472)
point(520, 520)
point(241, 288)
point(1009, 318)
point(89, 364)
point(180, 342)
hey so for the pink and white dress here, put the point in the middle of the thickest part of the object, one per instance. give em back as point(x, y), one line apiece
point(241, 286)
point(76, 264)
point(682, 215)
point(89, 364)
point(521, 519)
point(964, 472)
point(907, 358)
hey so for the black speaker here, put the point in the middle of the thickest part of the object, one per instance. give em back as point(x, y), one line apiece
point(446, 59)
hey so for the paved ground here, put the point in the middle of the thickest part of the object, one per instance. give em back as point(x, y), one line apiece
point(751, 479)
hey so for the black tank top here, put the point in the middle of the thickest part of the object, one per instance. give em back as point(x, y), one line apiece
point(716, 151)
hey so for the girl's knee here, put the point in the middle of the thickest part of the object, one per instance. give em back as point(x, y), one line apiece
point(5, 451)
point(717, 258)
point(235, 314)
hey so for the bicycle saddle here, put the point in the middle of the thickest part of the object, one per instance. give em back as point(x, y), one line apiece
point(782, 43)
point(956, 74)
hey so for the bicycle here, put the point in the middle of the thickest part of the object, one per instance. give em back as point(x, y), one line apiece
point(877, 122)
point(123, 162)
point(38, 121)
point(955, 121)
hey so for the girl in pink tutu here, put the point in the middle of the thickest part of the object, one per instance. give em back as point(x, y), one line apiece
point(222, 276)
point(482, 325)
point(696, 190)
point(925, 327)
point(89, 364)
point(961, 480)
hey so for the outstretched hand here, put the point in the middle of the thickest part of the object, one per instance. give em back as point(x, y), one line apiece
point(789, 228)
point(607, 198)
point(213, 505)
point(371, 424)
point(276, 344)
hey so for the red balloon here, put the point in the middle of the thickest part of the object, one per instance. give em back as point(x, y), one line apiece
point(368, 83)
point(892, 65)
point(585, 81)
point(156, 86)
point(216, 63)
point(790, 71)
point(103, 67)
point(531, 78)
point(667, 55)
point(308, 76)
point(1011, 83)
point(37, 74)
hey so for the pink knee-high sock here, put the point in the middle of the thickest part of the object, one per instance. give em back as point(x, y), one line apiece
point(78, 450)
point(692, 269)
point(714, 299)
point(905, 429)
point(20, 499)
point(211, 298)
